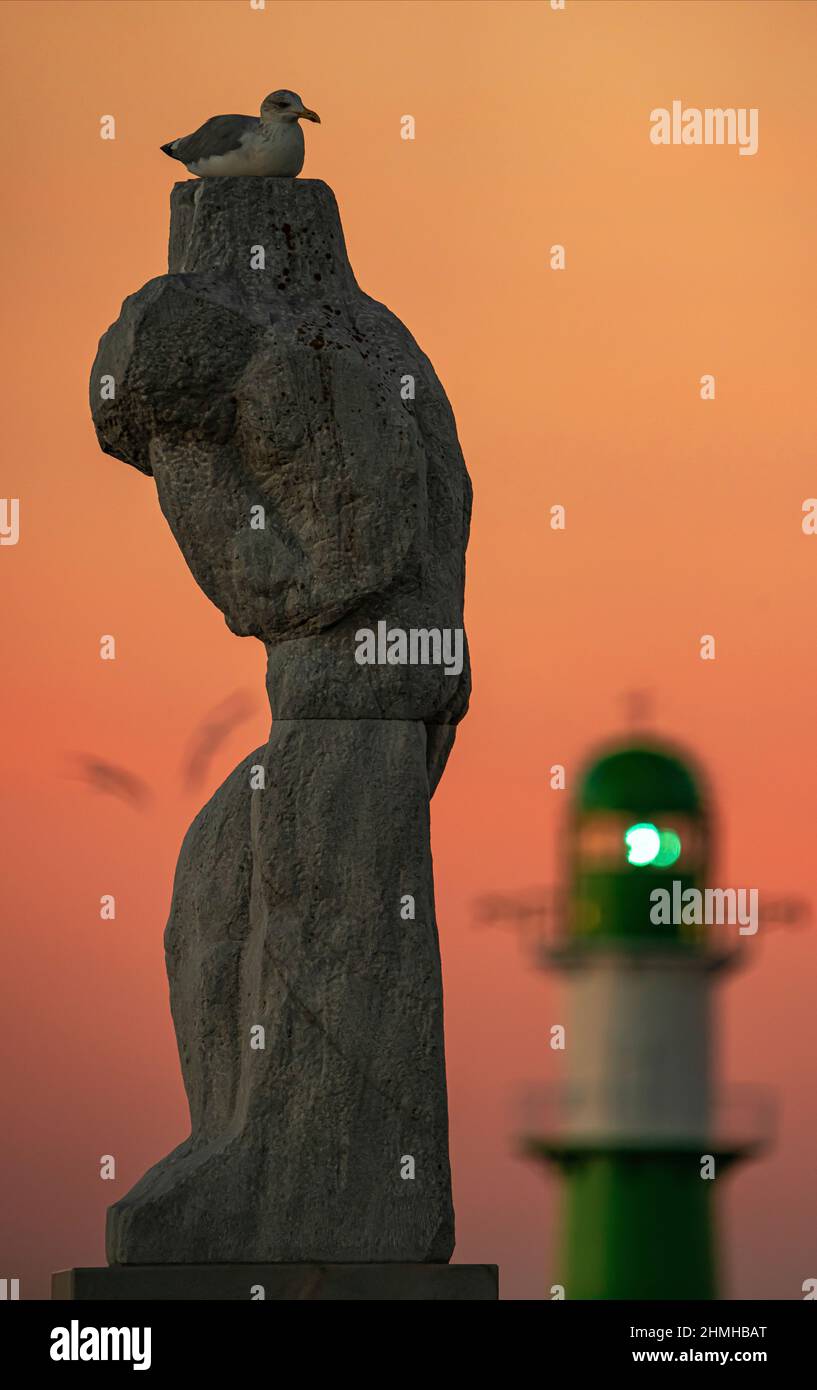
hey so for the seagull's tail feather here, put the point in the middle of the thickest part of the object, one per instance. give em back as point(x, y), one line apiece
point(168, 149)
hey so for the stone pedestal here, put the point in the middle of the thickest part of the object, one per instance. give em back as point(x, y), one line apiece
point(280, 1282)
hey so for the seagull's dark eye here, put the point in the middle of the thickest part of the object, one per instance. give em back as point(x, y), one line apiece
point(282, 105)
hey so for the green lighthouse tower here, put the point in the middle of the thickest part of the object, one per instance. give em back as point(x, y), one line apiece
point(631, 1128)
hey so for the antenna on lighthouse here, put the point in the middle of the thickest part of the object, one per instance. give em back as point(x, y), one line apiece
point(638, 707)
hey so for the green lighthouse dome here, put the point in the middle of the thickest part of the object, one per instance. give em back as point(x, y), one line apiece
point(637, 780)
point(638, 822)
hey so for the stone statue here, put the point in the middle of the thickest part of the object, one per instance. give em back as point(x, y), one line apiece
point(307, 462)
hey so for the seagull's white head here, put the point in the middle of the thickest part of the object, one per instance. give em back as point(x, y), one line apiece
point(287, 107)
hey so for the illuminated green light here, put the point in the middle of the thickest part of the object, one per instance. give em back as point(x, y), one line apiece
point(670, 849)
point(643, 843)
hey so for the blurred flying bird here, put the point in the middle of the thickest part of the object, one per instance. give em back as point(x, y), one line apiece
point(112, 780)
point(226, 145)
point(212, 732)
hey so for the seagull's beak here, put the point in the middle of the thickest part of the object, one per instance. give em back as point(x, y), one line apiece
point(307, 115)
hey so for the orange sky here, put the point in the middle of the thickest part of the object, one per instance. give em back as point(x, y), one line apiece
point(579, 388)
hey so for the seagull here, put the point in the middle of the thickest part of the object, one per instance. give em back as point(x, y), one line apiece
point(227, 145)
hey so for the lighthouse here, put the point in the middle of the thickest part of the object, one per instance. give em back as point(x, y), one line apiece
point(635, 1127)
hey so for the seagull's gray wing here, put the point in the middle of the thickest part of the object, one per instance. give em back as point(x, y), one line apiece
point(218, 136)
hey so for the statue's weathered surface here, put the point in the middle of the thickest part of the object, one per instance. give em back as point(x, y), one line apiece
point(245, 381)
